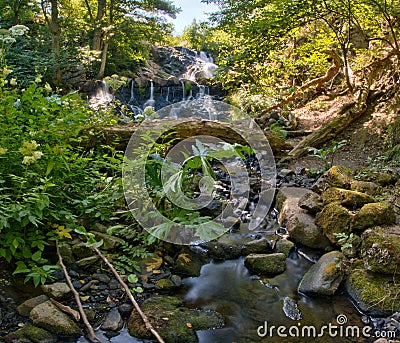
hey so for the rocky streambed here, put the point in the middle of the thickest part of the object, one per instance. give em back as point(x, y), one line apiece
point(329, 255)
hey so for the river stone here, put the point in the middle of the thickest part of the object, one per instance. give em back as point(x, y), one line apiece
point(287, 201)
point(87, 261)
point(110, 242)
point(113, 321)
point(101, 277)
point(336, 176)
point(189, 263)
point(174, 322)
point(311, 202)
point(284, 246)
point(256, 246)
point(334, 219)
point(266, 264)
point(80, 250)
point(66, 254)
point(374, 214)
point(26, 307)
point(366, 187)
point(290, 309)
point(374, 294)
point(324, 277)
point(49, 317)
point(30, 333)
point(222, 251)
point(58, 290)
point(165, 285)
point(381, 250)
point(347, 198)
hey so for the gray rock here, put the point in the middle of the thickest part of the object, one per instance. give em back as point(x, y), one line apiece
point(266, 264)
point(26, 307)
point(222, 251)
point(66, 254)
point(49, 317)
point(189, 263)
point(101, 277)
point(284, 246)
point(30, 333)
point(324, 277)
point(113, 321)
point(177, 280)
point(290, 309)
point(256, 246)
point(58, 290)
point(88, 261)
point(311, 202)
point(80, 250)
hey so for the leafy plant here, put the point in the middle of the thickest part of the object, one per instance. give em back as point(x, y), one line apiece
point(328, 154)
point(344, 240)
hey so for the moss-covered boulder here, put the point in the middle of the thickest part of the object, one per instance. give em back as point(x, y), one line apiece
point(334, 219)
point(165, 285)
point(49, 317)
point(324, 277)
point(336, 176)
point(347, 198)
point(174, 322)
point(374, 214)
point(284, 246)
point(256, 246)
point(189, 263)
point(381, 249)
point(266, 264)
point(367, 187)
point(31, 333)
point(374, 294)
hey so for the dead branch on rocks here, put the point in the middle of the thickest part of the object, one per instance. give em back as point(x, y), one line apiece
point(129, 294)
point(91, 335)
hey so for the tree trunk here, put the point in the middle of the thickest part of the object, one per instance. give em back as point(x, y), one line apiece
point(100, 75)
point(98, 30)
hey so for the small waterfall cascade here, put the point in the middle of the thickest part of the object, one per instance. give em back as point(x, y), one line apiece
point(151, 102)
point(183, 90)
point(101, 97)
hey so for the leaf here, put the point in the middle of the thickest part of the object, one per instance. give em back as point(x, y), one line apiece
point(153, 263)
point(21, 268)
point(189, 325)
point(37, 256)
point(185, 258)
point(91, 242)
point(62, 231)
point(81, 230)
point(132, 278)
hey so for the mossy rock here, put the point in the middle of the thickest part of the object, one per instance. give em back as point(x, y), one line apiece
point(381, 250)
point(189, 263)
point(324, 277)
point(311, 202)
point(266, 264)
point(347, 198)
point(165, 285)
point(374, 214)
point(338, 176)
point(284, 246)
point(374, 294)
point(334, 219)
point(367, 187)
point(31, 333)
point(174, 322)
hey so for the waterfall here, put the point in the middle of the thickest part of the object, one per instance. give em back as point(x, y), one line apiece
point(167, 97)
point(151, 102)
point(205, 57)
point(183, 90)
point(132, 92)
point(202, 92)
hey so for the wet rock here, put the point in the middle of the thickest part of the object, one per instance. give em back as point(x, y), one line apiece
point(366, 187)
point(287, 198)
point(87, 261)
point(311, 202)
point(101, 277)
point(26, 307)
point(58, 290)
point(266, 264)
point(174, 322)
point(110, 242)
point(31, 333)
point(222, 251)
point(324, 277)
point(66, 254)
point(256, 246)
point(333, 219)
point(188, 263)
point(177, 280)
point(165, 285)
point(80, 250)
point(381, 250)
point(374, 294)
point(284, 246)
point(125, 309)
point(290, 309)
point(49, 317)
point(113, 321)
point(374, 214)
point(347, 198)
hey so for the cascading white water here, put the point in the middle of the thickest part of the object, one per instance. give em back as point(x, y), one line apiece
point(102, 97)
point(132, 92)
point(167, 97)
point(183, 90)
point(151, 90)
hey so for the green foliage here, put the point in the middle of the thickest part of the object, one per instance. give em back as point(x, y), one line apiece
point(344, 240)
point(324, 154)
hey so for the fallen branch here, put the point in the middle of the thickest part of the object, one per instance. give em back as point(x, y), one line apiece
point(132, 299)
point(331, 72)
point(91, 335)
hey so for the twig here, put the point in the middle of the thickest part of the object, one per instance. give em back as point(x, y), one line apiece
point(132, 299)
point(91, 335)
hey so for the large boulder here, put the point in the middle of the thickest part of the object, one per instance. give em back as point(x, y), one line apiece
point(347, 198)
point(374, 294)
point(58, 290)
point(381, 249)
point(49, 317)
point(266, 264)
point(299, 223)
point(311, 202)
point(174, 322)
point(334, 219)
point(336, 176)
point(324, 277)
point(26, 307)
point(189, 263)
point(374, 214)
point(256, 246)
point(30, 333)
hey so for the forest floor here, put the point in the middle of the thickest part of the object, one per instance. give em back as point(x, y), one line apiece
point(366, 137)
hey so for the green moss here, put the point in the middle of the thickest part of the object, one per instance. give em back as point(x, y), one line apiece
point(374, 214)
point(348, 198)
point(338, 176)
